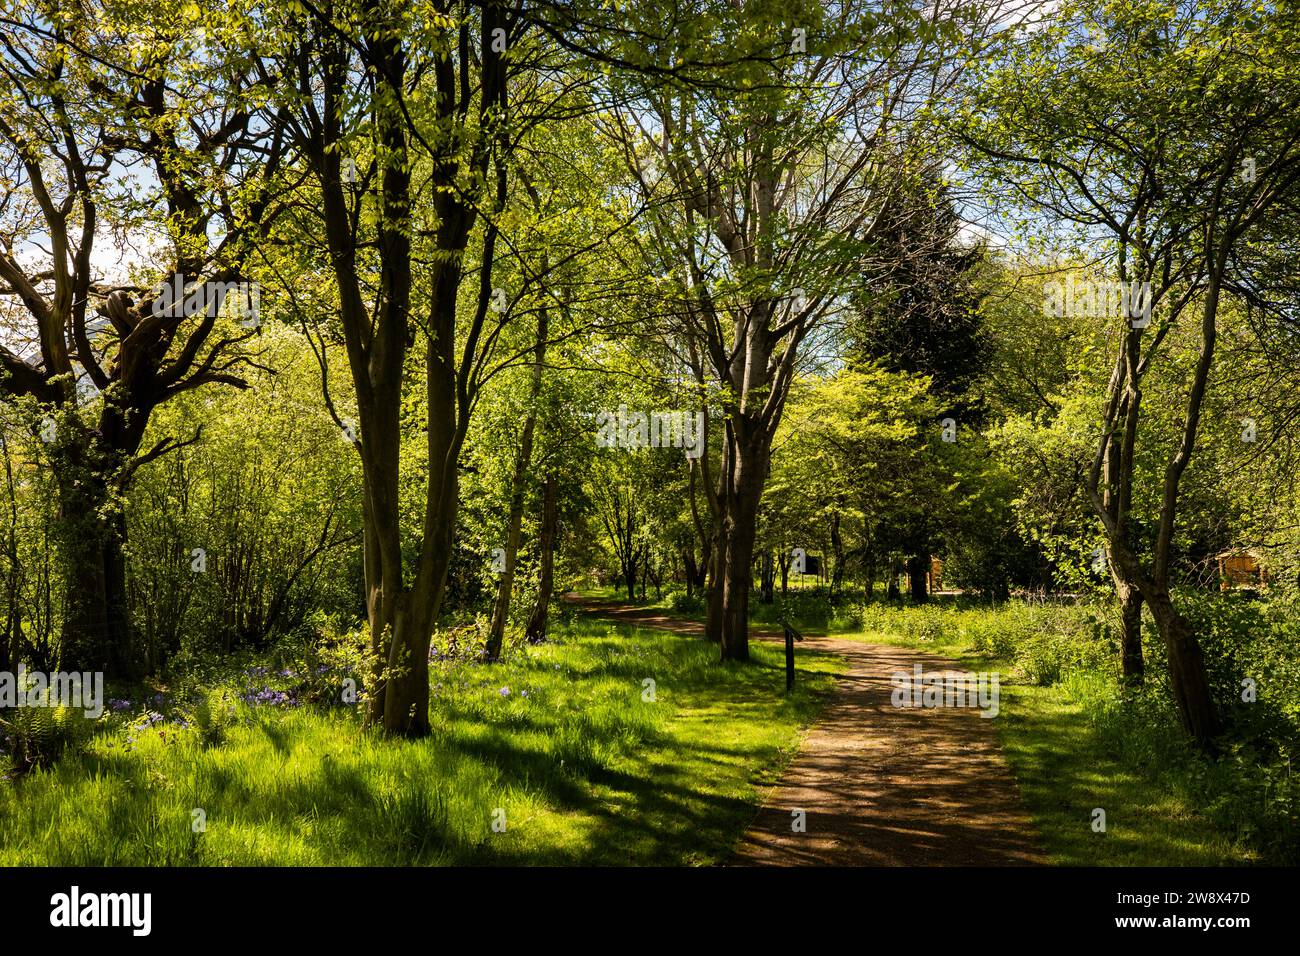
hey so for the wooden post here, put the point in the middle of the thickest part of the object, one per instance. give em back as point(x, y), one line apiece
point(789, 660)
point(791, 635)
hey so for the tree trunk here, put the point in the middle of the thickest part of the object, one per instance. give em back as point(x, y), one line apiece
point(514, 522)
point(1116, 457)
point(837, 548)
point(739, 496)
point(10, 643)
point(535, 632)
point(1130, 599)
point(1187, 675)
point(717, 564)
point(518, 488)
point(96, 629)
point(737, 584)
point(918, 567)
point(869, 568)
point(406, 697)
point(401, 607)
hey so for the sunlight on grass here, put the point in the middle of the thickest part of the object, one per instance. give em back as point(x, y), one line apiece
point(557, 742)
point(1065, 770)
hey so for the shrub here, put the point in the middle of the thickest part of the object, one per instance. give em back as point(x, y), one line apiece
point(315, 666)
point(37, 736)
point(212, 715)
point(683, 603)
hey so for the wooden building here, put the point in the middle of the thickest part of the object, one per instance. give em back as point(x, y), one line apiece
point(1241, 568)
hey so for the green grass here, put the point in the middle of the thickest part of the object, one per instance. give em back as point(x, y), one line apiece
point(1067, 765)
point(585, 771)
point(1066, 769)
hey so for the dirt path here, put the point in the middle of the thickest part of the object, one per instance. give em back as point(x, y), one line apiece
point(881, 785)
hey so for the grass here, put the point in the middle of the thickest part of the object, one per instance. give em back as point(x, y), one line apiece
point(578, 767)
point(1067, 765)
point(1072, 740)
point(582, 770)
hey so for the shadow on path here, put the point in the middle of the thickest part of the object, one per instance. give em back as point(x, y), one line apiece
point(879, 785)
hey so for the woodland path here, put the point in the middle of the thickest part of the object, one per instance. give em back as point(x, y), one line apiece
point(879, 785)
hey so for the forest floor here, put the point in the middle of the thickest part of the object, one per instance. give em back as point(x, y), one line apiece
point(606, 745)
point(877, 784)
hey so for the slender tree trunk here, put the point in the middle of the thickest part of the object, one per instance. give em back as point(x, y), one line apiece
point(717, 566)
point(869, 569)
point(514, 523)
point(518, 489)
point(535, 632)
point(837, 548)
point(768, 578)
point(704, 571)
point(1187, 674)
point(10, 646)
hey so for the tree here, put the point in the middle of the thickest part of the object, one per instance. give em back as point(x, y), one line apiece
point(847, 448)
point(382, 43)
point(921, 315)
point(121, 119)
point(1176, 180)
point(766, 175)
point(405, 119)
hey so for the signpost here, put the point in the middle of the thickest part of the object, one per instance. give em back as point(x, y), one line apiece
point(791, 635)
